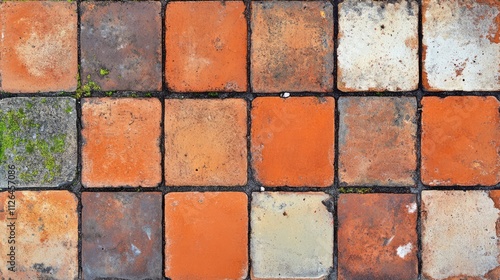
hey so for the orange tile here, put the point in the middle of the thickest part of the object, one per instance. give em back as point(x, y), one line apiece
point(121, 140)
point(205, 142)
point(460, 141)
point(206, 235)
point(293, 141)
point(206, 46)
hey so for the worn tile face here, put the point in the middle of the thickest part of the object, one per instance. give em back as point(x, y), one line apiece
point(122, 235)
point(293, 141)
point(461, 45)
point(292, 46)
point(42, 241)
point(38, 136)
point(121, 45)
point(121, 142)
point(206, 235)
point(38, 46)
point(385, 36)
point(205, 142)
point(377, 236)
point(460, 235)
point(277, 251)
point(377, 141)
point(460, 141)
point(206, 46)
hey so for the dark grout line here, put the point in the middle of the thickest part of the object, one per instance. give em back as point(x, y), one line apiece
point(418, 143)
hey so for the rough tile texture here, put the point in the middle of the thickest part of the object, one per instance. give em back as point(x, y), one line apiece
point(38, 46)
point(461, 45)
point(377, 141)
point(460, 141)
point(460, 235)
point(385, 36)
point(206, 46)
point(206, 235)
point(293, 141)
point(45, 235)
point(292, 46)
point(377, 236)
point(121, 142)
point(205, 142)
point(38, 136)
point(121, 235)
point(276, 251)
point(121, 45)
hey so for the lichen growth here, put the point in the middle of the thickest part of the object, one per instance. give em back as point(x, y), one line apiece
point(103, 72)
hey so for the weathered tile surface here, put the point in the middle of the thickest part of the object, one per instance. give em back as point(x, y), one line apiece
point(378, 45)
point(38, 136)
point(460, 141)
point(291, 235)
point(206, 46)
point(377, 140)
point(121, 45)
point(460, 235)
point(44, 235)
point(121, 235)
point(461, 45)
point(377, 236)
point(292, 46)
point(206, 235)
point(38, 46)
point(121, 142)
point(205, 142)
point(293, 141)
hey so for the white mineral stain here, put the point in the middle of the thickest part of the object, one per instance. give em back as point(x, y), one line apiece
point(404, 250)
point(411, 207)
point(135, 250)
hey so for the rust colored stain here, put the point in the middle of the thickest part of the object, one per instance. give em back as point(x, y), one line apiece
point(46, 235)
point(460, 141)
point(377, 236)
point(293, 141)
point(205, 142)
point(121, 142)
point(121, 235)
point(206, 235)
point(38, 46)
point(292, 46)
point(377, 140)
point(121, 44)
point(206, 46)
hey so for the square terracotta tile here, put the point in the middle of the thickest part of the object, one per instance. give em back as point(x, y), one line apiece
point(291, 235)
point(292, 46)
point(121, 142)
point(460, 141)
point(377, 141)
point(460, 235)
point(205, 142)
point(206, 235)
point(38, 46)
point(206, 46)
point(121, 235)
point(377, 236)
point(121, 45)
point(40, 238)
point(293, 141)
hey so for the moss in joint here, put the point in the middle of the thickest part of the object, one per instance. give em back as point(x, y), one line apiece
point(354, 190)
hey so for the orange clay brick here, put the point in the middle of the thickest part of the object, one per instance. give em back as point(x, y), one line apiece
point(377, 236)
point(460, 141)
point(205, 142)
point(206, 235)
point(46, 235)
point(292, 46)
point(38, 46)
point(377, 140)
point(292, 141)
point(206, 46)
point(121, 142)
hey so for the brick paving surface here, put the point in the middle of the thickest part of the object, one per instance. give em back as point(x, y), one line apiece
point(250, 139)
